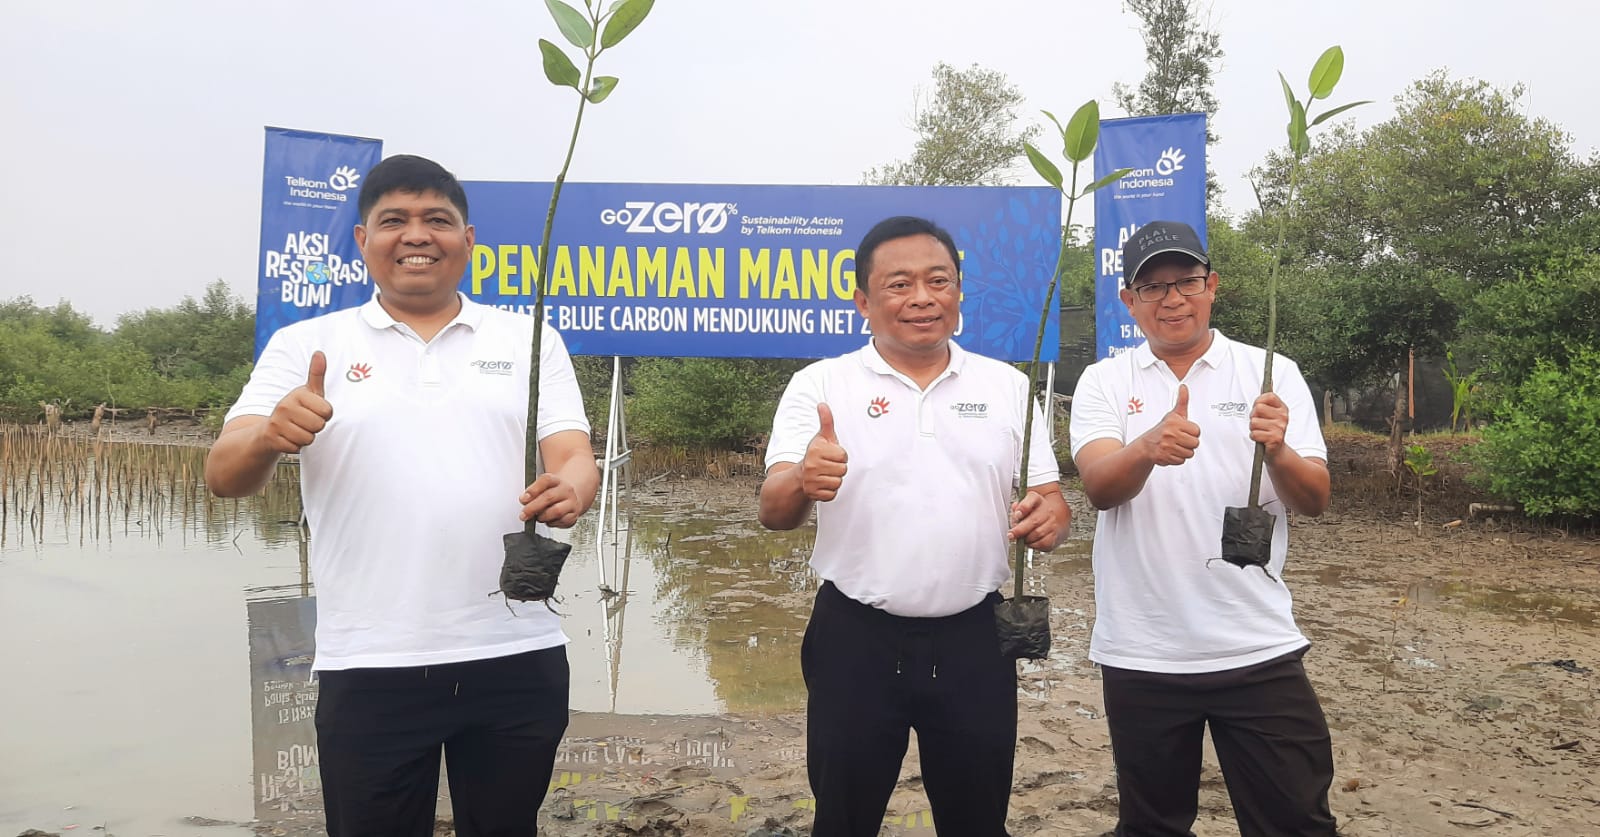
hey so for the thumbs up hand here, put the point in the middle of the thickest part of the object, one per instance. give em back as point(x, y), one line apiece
point(823, 468)
point(303, 413)
point(1175, 438)
point(317, 374)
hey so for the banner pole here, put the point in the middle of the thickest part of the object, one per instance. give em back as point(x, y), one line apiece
point(606, 474)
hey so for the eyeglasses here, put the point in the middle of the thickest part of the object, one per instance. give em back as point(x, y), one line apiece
point(1157, 291)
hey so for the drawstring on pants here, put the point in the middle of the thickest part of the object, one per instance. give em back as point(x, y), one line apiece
point(900, 649)
point(457, 691)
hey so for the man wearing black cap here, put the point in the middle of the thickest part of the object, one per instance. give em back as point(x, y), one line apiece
point(1163, 436)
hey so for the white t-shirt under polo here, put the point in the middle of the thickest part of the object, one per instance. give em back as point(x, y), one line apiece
point(411, 485)
point(1161, 603)
point(919, 525)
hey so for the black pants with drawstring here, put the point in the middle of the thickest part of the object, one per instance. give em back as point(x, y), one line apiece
point(871, 677)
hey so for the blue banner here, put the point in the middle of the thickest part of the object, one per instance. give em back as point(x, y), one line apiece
point(658, 270)
point(1168, 183)
point(309, 261)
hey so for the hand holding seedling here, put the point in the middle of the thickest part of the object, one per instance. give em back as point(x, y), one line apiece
point(823, 468)
point(1269, 420)
point(1175, 439)
point(303, 413)
point(1037, 523)
point(551, 500)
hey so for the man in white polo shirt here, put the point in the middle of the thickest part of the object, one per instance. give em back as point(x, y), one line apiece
point(417, 403)
point(1163, 436)
point(909, 449)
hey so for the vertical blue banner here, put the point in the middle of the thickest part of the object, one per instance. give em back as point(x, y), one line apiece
point(1168, 183)
point(309, 261)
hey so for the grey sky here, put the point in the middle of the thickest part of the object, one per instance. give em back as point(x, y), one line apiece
point(132, 141)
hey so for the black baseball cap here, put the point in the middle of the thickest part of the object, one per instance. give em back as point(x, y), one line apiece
point(1159, 237)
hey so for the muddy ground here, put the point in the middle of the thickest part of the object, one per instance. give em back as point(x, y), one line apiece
point(1458, 663)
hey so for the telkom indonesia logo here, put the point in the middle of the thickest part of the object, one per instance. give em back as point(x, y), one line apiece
point(358, 372)
point(1171, 161)
point(344, 178)
point(878, 407)
point(670, 217)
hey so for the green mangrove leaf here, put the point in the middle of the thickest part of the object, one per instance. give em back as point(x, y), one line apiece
point(558, 67)
point(1299, 140)
point(1325, 73)
point(574, 25)
point(1043, 166)
point(1325, 116)
point(602, 87)
point(1288, 93)
point(1083, 131)
point(1060, 130)
point(628, 16)
point(1110, 178)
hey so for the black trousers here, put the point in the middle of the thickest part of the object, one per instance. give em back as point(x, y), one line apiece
point(1271, 740)
point(871, 677)
point(499, 721)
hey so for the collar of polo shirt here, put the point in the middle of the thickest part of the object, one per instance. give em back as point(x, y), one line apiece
point(470, 315)
point(1214, 356)
point(874, 361)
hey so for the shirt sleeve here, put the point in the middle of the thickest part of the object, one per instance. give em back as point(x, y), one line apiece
point(1094, 415)
point(560, 401)
point(1043, 468)
point(283, 365)
point(1304, 435)
point(795, 423)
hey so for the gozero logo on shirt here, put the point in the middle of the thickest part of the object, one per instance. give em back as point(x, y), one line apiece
point(1230, 409)
point(493, 367)
point(878, 407)
point(970, 409)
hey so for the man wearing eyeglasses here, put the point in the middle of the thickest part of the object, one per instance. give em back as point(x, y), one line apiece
point(1163, 436)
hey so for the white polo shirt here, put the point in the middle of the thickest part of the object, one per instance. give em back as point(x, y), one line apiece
point(1161, 604)
point(919, 525)
point(411, 485)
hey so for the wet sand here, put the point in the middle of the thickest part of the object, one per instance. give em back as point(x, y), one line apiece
point(1457, 667)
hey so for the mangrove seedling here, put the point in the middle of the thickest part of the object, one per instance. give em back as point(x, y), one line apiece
point(1247, 532)
point(533, 562)
point(1024, 621)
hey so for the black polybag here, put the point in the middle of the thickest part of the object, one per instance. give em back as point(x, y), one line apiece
point(1023, 625)
point(1247, 537)
point(532, 566)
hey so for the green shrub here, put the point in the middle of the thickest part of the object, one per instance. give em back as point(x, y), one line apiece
point(1543, 449)
point(594, 382)
point(706, 402)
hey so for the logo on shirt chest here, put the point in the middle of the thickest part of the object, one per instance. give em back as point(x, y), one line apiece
point(1135, 406)
point(493, 367)
point(358, 372)
point(877, 407)
point(971, 410)
point(1230, 409)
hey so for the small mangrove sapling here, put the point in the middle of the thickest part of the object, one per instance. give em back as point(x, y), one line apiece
point(1023, 621)
point(532, 561)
